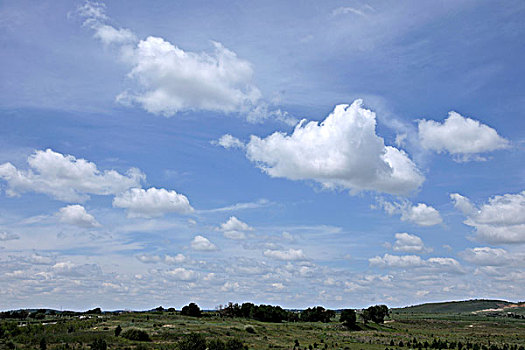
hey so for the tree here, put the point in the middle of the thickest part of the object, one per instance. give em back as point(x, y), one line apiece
point(191, 310)
point(317, 314)
point(96, 311)
point(376, 313)
point(192, 341)
point(348, 318)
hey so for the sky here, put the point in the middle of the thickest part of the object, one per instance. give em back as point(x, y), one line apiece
point(298, 153)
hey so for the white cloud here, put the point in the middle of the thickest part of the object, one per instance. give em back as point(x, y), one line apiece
point(278, 286)
point(69, 269)
point(486, 256)
point(501, 220)
point(228, 141)
point(177, 259)
point(460, 136)
point(414, 261)
point(152, 202)
point(167, 259)
point(290, 254)
point(234, 228)
point(202, 243)
point(149, 259)
point(419, 214)
point(5, 236)
point(110, 35)
point(65, 177)
point(343, 151)
point(463, 204)
point(230, 286)
point(171, 80)
point(408, 243)
point(182, 274)
point(396, 261)
point(77, 215)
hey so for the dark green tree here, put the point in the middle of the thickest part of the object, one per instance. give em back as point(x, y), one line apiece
point(118, 330)
point(191, 309)
point(348, 318)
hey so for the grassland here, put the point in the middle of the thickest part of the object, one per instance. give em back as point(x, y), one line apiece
point(411, 330)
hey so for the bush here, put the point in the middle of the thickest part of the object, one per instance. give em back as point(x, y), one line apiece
point(235, 344)
point(136, 334)
point(99, 344)
point(249, 329)
point(216, 344)
point(192, 341)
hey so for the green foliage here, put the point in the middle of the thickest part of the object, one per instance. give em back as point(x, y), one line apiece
point(136, 334)
point(216, 344)
point(43, 344)
point(95, 311)
point(235, 344)
point(99, 344)
point(348, 318)
point(192, 341)
point(118, 330)
point(317, 314)
point(376, 313)
point(191, 310)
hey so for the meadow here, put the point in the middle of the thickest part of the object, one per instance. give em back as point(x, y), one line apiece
point(402, 329)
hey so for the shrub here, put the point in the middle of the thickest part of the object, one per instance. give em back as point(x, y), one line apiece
point(216, 344)
point(235, 344)
point(99, 344)
point(136, 334)
point(249, 329)
point(192, 341)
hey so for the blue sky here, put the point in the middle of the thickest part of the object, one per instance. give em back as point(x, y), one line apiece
point(341, 153)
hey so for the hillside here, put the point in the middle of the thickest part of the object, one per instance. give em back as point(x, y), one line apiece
point(465, 306)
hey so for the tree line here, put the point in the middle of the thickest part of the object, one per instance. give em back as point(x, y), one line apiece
point(270, 313)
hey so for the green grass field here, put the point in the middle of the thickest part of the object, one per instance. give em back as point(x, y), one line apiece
point(166, 328)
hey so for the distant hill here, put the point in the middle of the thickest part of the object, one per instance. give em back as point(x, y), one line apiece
point(464, 306)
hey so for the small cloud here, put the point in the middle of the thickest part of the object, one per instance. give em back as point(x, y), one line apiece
point(408, 243)
point(420, 214)
point(500, 220)
point(152, 202)
point(77, 215)
point(182, 274)
point(5, 236)
point(462, 137)
point(228, 141)
point(290, 254)
point(66, 178)
point(235, 228)
point(202, 243)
